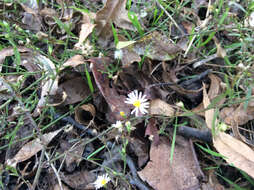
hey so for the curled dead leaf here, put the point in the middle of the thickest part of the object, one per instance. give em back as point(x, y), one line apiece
point(86, 29)
point(84, 114)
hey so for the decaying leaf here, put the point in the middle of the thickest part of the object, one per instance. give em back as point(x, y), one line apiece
point(31, 17)
point(129, 57)
point(9, 52)
point(155, 46)
point(236, 152)
point(182, 173)
point(79, 180)
point(31, 148)
point(238, 116)
point(215, 89)
point(76, 89)
point(114, 100)
point(86, 29)
point(74, 61)
point(140, 148)
point(159, 107)
point(152, 131)
point(113, 12)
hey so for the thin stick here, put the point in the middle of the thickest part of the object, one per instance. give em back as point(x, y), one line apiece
point(209, 58)
point(55, 171)
point(170, 17)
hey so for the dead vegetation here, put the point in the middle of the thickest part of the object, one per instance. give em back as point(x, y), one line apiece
point(126, 94)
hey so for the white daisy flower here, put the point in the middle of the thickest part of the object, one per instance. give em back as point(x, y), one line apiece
point(101, 181)
point(118, 125)
point(118, 54)
point(140, 102)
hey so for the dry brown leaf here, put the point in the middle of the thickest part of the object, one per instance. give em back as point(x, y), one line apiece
point(238, 116)
point(155, 46)
point(236, 152)
point(129, 57)
point(31, 148)
point(209, 113)
point(159, 107)
point(9, 52)
point(79, 180)
point(141, 150)
point(112, 97)
point(74, 61)
point(76, 90)
point(31, 16)
point(214, 90)
point(86, 29)
point(113, 12)
point(182, 173)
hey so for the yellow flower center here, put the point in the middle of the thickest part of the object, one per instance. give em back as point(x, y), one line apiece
point(103, 182)
point(137, 103)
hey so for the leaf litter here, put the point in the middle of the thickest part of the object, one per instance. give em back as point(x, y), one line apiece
point(71, 69)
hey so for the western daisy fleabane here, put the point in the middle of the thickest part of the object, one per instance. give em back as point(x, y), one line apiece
point(118, 54)
point(101, 181)
point(140, 102)
point(118, 125)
